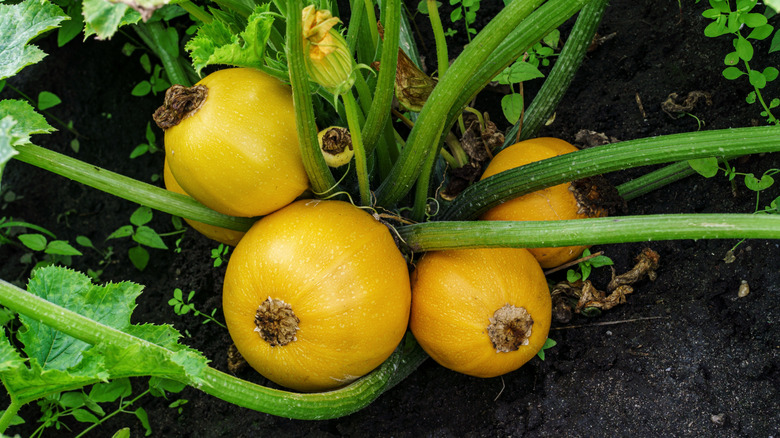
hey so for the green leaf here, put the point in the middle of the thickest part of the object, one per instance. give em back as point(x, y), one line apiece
point(215, 43)
point(47, 100)
point(139, 257)
point(753, 19)
point(732, 73)
point(757, 79)
point(110, 391)
point(72, 399)
point(148, 237)
point(715, 29)
point(36, 242)
point(122, 433)
point(761, 32)
point(20, 23)
point(141, 89)
point(744, 49)
point(600, 261)
point(731, 59)
point(28, 121)
point(109, 305)
point(6, 141)
point(572, 275)
point(84, 416)
point(512, 105)
point(711, 13)
point(721, 5)
point(143, 417)
point(139, 150)
point(755, 184)
point(103, 18)
point(706, 167)
point(770, 73)
point(141, 216)
point(519, 72)
point(774, 4)
point(71, 28)
point(123, 231)
point(61, 247)
point(774, 46)
point(751, 97)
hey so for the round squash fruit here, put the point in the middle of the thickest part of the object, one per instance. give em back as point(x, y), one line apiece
point(553, 203)
point(220, 234)
point(316, 295)
point(232, 144)
point(481, 312)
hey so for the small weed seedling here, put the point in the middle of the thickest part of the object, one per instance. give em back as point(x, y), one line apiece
point(157, 81)
point(586, 266)
point(732, 22)
point(709, 167)
point(85, 406)
point(142, 234)
point(182, 306)
point(219, 253)
point(549, 343)
point(526, 69)
point(150, 146)
point(38, 240)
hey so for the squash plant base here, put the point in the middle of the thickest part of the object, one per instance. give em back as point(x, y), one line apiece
point(708, 348)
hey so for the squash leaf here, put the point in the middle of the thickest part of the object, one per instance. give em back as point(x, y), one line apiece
point(27, 121)
point(18, 120)
point(215, 43)
point(19, 24)
point(103, 18)
point(56, 361)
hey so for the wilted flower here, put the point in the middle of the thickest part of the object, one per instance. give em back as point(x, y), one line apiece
point(328, 61)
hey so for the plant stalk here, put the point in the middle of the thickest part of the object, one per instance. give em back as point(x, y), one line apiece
point(442, 55)
point(320, 177)
point(311, 406)
point(437, 236)
point(445, 96)
point(560, 77)
point(127, 188)
point(361, 159)
point(379, 113)
point(724, 143)
point(10, 412)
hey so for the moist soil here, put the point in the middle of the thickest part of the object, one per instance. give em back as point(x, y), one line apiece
point(684, 356)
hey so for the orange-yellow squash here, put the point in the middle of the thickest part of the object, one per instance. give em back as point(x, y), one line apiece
point(222, 235)
point(481, 312)
point(552, 203)
point(316, 295)
point(237, 151)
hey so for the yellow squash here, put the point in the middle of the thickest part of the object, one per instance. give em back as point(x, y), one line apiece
point(236, 150)
point(222, 235)
point(553, 203)
point(316, 295)
point(481, 312)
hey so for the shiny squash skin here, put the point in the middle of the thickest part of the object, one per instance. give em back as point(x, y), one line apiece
point(455, 294)
point(344, 278)
point(239, 153)
point(552, 203)
point(221, 235)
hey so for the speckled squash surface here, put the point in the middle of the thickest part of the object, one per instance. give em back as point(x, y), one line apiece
point(339, 271)
point(459, 297)
point(238, 153)
point(552, 203)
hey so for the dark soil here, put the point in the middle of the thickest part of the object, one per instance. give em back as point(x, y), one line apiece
point(684, 356)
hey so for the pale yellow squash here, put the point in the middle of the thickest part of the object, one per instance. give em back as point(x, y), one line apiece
point(237, 152)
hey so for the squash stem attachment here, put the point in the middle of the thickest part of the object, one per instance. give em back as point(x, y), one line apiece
point(361, 161)
point(180, 102)
point(276, 322)
point(510, 328)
